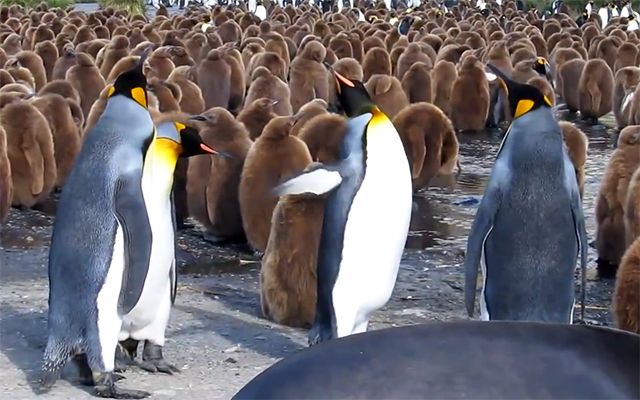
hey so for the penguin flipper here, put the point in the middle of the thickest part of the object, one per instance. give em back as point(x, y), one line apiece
point(131, 213)
point(580, 227)
point(173, 272)
point(318, 179)
point(482, 225)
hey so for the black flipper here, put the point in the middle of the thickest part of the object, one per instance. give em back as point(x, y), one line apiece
point(131, 213)
point(173, 273)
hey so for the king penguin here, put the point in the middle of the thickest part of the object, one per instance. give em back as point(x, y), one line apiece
point(368, 207)
point(529, 227)
point(148, 319)
point(261, 11)
point(110, 275)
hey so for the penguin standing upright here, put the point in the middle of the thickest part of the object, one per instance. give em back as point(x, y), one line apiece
point(366, 219)
point(529, 227)
point(111, 262)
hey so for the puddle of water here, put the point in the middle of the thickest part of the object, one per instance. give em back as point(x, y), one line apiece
point(445, 211)
point(21, 242)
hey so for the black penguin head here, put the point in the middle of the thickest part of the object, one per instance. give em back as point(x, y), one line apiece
point(132, 83)
point(405, 25)
point(352, 95)
point(523, 98)
point(542, 67)
point(191, 144)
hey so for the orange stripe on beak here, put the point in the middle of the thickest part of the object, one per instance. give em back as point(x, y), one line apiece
point(343, 79)
point(207, 149)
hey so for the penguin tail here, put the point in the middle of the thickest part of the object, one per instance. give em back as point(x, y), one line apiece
point(56, 356)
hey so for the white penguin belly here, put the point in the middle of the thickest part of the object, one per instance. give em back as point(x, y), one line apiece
point(148, 319)
point(375, 234)
point(156, 289)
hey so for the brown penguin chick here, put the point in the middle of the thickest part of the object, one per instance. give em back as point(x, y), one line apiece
point(288, 273)
point(607, 50)
point(63, 88)
point(626, 56)
point(32, 62)
point(66, 137)
point(324, 135)
point(20, 74)
point(5, 78)
point(577, 145)
point(273, 157)
point(569, 76)
point(18, 88)
point(180, 56)
point(85, 77)
point(65, 62)
point(307, 112)
point(626, 294)
point(595, 90)
point(6, 194)
point(429, 141)
point(409, 57)
point(270, 60)
point(12, 44)
point(237, 80)
point(266, 85)
point(30, 151)
point(341, 46)
point(609, 211)
point(249, 50)
point(442, 77)
point(159, 64)
point(632, 209)
point(376, 62)
point(114, 52)
point(498, 56)
point(257, 115)
point(167, 93)
point(213, 182)
point(416, 83)
point(625, 83)
point(214, 80)
point(470, 96)
point(544, 86)
point(191, 101)
point(386, 92)
point(48, 53)
point(308, 77)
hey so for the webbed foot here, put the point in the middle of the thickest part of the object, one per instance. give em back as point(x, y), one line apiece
point(153, 361)
point(105, 387)
point(126, 353)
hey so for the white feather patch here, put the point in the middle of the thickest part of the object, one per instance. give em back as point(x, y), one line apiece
point(261, 12)
point(490, 77)
point(318, 181)
point(627, 101)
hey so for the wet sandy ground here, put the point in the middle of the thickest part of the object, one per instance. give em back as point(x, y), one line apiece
point(216, 334)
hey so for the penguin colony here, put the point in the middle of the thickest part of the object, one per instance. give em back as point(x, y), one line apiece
point(314, 115)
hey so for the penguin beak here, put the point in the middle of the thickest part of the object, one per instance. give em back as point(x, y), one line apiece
point(207, 149)
point(274, 102)
point(198, 118)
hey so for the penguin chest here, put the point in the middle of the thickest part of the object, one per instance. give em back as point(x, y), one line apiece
point(376, 229)
point(157, 285)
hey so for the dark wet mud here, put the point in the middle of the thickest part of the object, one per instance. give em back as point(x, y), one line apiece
point(216, 332)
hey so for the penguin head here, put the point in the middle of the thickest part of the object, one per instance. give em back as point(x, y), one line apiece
point(352, 95)
point(185, 140)
point(132, 83)
point(541, 66)
point(523, 98)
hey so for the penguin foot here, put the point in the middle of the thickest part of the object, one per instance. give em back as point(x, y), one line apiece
point(153, 361)
point(126, 353)
point(106, 388)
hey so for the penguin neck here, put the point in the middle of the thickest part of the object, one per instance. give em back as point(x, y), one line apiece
point(160, 164)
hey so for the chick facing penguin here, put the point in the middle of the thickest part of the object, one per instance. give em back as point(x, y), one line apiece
point(113, 238)
point(369, 206)
point(529, 227)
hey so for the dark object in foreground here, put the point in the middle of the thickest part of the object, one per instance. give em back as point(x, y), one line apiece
point(457, 360)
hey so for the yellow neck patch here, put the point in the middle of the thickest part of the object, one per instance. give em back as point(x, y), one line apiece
point(179, 126)
point(524, 106)
point(138, 94)
point(167, 150)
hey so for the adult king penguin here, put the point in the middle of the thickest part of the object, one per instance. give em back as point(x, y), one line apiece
point(366, 217)
point(111, 264)
point(529, 226)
